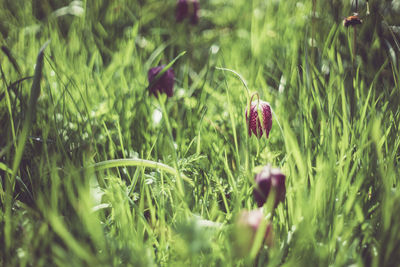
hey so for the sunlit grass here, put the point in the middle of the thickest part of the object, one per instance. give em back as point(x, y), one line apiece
point(111, 175)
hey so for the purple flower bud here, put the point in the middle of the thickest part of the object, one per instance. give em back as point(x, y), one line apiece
point(269, 179)
point(187, 8)
point(247, 225)
point(253, 121)
point(165, 83)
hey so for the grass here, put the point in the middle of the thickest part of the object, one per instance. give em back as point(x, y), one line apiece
point(110, 175)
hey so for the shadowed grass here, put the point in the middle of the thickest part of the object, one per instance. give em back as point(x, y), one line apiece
point(111, 176)
point(22, 138)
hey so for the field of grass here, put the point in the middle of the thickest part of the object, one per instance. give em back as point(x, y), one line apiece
point(95, 171)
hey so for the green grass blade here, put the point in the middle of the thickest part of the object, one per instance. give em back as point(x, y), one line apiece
point(10, 181)
point(35, 92)
point(138, 163)
point(11, 58)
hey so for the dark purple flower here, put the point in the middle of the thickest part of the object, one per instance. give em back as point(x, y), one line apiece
point(187, 8)
point(246, 227)
point(269, 179)
point(253, 121)
point(165, 84)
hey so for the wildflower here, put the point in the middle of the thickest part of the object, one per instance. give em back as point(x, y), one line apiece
point(253, 121)
point(352, 20)
point(187, 8)
point(165, 84)
point(269, 179)
point(246, 227)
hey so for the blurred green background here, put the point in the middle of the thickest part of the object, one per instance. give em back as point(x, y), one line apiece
point(335, 95)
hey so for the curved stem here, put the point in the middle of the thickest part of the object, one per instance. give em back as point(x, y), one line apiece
point(232, 118)
point(107, 164)
point(240, 78)
point(251, 100)
point(258, 97)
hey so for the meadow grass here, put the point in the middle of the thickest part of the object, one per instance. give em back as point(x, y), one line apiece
point(97, 172)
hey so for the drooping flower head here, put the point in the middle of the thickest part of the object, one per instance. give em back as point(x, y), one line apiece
point(187, 8)
point(270, 181)
point(246, 227)
point(254, 123)
point(165, 84)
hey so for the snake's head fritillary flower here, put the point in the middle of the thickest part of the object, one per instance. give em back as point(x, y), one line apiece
point(270, 181)
point(165, 84)
point(246, 227)
point(187, 8)
point(254, 123)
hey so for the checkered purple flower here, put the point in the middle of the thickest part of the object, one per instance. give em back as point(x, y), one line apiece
point(253, 121)
point(270, 181)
